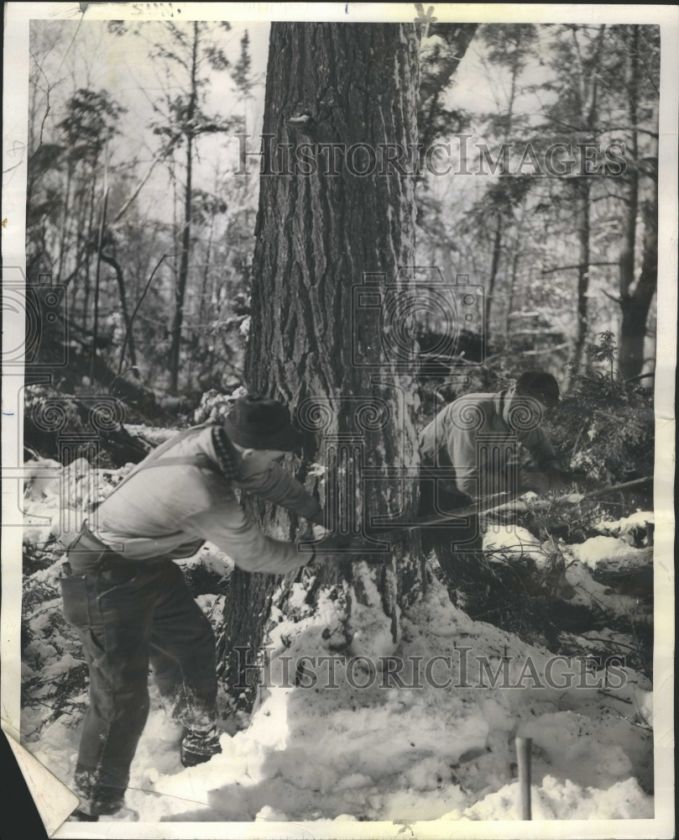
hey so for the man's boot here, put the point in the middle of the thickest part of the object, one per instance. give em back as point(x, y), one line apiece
point(81, 816)
point(122, 813)
point(199, 745)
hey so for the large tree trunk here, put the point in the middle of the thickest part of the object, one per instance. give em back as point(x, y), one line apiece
point(331, 353)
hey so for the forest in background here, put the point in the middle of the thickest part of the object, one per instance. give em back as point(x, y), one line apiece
point(146, 223)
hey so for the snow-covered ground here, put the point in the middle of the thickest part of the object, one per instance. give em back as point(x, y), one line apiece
point(433, 741)
point(390, 752)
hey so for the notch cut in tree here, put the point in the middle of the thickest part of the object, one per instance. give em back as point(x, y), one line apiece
point(329, 308)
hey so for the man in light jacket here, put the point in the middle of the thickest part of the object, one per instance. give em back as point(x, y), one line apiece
point(130, 604)
point(470, 451)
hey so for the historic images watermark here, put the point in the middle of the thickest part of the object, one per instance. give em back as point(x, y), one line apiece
point(461, 669)
point(465, 154)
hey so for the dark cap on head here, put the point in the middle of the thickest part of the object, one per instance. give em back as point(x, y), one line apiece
point(261, 423)
point(539, 384)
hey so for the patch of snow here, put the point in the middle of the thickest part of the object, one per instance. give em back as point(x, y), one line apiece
point(620, 526)
point(328, 749)
point(597, 549)
point(39, 477)
point(372, 628)
point(513, 541)
point(591, 593)
point(565, 800)
point(65, 664)
point(410, 753)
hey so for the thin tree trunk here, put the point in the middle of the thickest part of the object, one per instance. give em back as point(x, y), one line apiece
point(64, 221)
point(120, 278)
point(80, 229)
point(582, 323)
point(589, 103)
point(136, 309)
point(182, 279)
point(206, 272)
point(95, 326)
point(636, 305)
point(88, 261)
point(497, 241)
point(627, 252)
point(512, 287)
point(323, 243)
point(635, 301)
point(494, 266)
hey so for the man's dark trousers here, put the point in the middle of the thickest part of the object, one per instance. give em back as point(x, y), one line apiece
point(457, 545)
point(130, 615)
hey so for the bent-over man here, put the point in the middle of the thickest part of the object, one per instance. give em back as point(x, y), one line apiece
point(128, 599)
point(469, 451)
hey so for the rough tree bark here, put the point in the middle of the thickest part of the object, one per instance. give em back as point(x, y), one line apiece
point(315, 342)
point(635, 300)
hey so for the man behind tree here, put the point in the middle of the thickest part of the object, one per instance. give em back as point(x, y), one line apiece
point(469, 451)
point(129, 601)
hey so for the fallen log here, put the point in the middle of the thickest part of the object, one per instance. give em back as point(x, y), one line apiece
point(66, 427)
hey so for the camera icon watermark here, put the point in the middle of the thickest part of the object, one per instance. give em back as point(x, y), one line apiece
point(388, 319)
point(42, 308)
